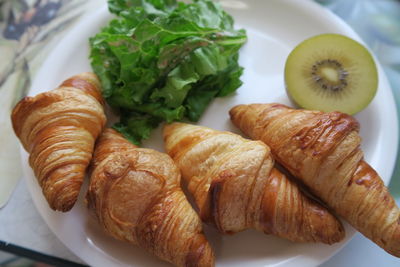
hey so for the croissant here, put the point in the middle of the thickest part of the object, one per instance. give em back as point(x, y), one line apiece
point(58, 129)
point(236, 187)
point(323, 150)
point(136, 196)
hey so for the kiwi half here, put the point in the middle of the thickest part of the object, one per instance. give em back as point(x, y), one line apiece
point(331, 72)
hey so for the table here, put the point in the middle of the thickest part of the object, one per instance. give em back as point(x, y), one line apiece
point(22, 225)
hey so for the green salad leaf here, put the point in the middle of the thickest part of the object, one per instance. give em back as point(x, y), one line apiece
point(163, 60)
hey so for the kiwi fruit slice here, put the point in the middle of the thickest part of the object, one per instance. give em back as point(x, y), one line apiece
point(331, 72)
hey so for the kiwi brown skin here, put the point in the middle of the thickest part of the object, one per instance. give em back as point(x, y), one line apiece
point(331, 72)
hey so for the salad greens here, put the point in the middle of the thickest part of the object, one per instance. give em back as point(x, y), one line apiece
point(163, 60)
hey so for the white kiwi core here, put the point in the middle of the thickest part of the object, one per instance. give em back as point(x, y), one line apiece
point(330, 74)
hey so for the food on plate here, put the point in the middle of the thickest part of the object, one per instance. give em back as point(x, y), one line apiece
point(323, 151)
point(331, 72)
point(58, 129)
point(236, 187)
point(136, 196)
point(165, 61)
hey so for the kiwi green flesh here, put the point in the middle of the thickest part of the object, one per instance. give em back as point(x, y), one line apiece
point(331, 72)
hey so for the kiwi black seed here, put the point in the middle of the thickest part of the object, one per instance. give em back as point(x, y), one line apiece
point(331, 72)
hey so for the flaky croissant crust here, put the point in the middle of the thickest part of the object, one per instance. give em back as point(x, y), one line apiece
point(58, 129)
point(136, 196)
point(236, 187)
point(323, 150)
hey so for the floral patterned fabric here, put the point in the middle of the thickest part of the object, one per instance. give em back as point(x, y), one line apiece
point(26, 27)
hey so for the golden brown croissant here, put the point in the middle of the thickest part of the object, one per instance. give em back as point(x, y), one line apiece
point(136, 196)
point(236, 186)
point(58, 129)
point(323, 150)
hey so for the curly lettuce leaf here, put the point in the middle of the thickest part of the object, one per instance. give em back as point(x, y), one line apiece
point(163, 60)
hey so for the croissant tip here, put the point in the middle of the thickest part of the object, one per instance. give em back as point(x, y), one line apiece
point(63, 206)
point(336, 236)
point(170, 127)
point(87, 82)
point(18, 112)
point(110, 131)
point(235, 108)
point(200, 254)
point(85, 75)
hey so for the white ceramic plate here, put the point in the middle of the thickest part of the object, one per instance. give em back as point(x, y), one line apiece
point(274, 27)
